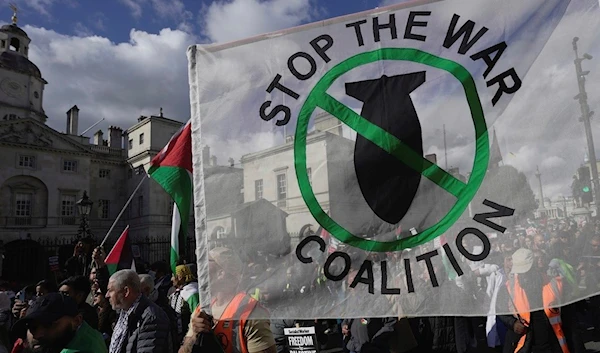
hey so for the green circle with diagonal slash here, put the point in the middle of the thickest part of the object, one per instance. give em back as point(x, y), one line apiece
point(464, 193)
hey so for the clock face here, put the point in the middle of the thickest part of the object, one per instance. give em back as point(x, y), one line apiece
point(11, 88)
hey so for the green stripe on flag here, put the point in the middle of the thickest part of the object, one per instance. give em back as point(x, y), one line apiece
point(177, 182)
point(112, 268)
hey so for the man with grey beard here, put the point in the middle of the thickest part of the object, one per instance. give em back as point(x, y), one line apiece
point(142, 327)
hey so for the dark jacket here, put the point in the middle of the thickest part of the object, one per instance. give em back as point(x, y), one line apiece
point(102, 276)
point(90, 315)
point(148, 330)
point(371, 335)
point(106, 317)
point(437, 334)
point(172, 315)
point(277, 327)
point(78, 266)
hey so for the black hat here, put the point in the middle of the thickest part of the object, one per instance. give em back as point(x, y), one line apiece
point(47, 309)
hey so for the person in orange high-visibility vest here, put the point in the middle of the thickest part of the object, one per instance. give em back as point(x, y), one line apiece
point(535, 300)
point(243, 335)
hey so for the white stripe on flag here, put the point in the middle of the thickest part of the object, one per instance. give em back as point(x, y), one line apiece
point(175, 227)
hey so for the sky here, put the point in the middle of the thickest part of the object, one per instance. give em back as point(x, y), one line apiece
point(98, 54)
point(120, 59)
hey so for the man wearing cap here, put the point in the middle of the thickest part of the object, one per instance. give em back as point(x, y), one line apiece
point(235, 326)
point(53, 324)
point(535, 301)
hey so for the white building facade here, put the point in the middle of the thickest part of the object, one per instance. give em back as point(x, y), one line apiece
point(45, 172)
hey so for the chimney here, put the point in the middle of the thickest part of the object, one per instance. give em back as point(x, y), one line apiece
point(73, 120)
point(231, 162)
point(326, 122)
point(115, 137)
point(206, 156)
point(98, 138)
point(432, 158)
point(213, 161)
point(125, 140)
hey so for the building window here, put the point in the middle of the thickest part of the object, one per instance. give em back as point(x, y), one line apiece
point(9, 117)
point(23, 206)
point(281, 190)
point(67, 209)
point(140, 170)
point(3, 43)
point(258, 189)
point(141, 138)
point(104, 209)
point(309, 173)
point(27, 161)
point(141, 205)
point(69, 166)
point(15, 44)
point(131, 144)
point(220, 233)
point(104, 173)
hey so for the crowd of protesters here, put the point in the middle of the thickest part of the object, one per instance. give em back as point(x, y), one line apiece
point(155, 310)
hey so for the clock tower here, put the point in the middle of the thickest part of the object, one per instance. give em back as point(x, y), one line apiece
point(21, 82)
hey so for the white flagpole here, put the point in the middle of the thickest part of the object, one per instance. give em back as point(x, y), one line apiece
point(124, 208)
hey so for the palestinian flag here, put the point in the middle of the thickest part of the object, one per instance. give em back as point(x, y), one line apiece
point(190, 294)
point(121, 255)
point(172, 169)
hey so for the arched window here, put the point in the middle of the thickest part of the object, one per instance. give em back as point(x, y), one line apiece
point(15, 44)
point(26, 202)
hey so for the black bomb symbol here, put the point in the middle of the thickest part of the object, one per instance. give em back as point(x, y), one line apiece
point(387, 184)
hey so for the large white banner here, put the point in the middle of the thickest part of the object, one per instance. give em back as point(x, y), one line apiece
point(384, 163)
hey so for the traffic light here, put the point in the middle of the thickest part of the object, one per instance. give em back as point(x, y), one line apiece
point(585, 184)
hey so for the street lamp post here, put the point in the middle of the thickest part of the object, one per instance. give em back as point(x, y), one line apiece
point(586, 114)
point(85, 207)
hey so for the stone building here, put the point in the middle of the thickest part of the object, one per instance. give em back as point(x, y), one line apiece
point(270, 174)
point(45, 172)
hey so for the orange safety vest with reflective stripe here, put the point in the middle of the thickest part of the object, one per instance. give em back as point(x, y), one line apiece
point(551, 293)
point(230, 332)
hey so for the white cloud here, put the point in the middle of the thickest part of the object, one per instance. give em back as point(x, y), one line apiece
point(553, 162)
point(227, 21)
point(173, 10)
point(82, 30)
point(235, 148)
point(97, 21)
point(116, 81)
point(41, 6)
point(391, 2)
point(135, 6)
